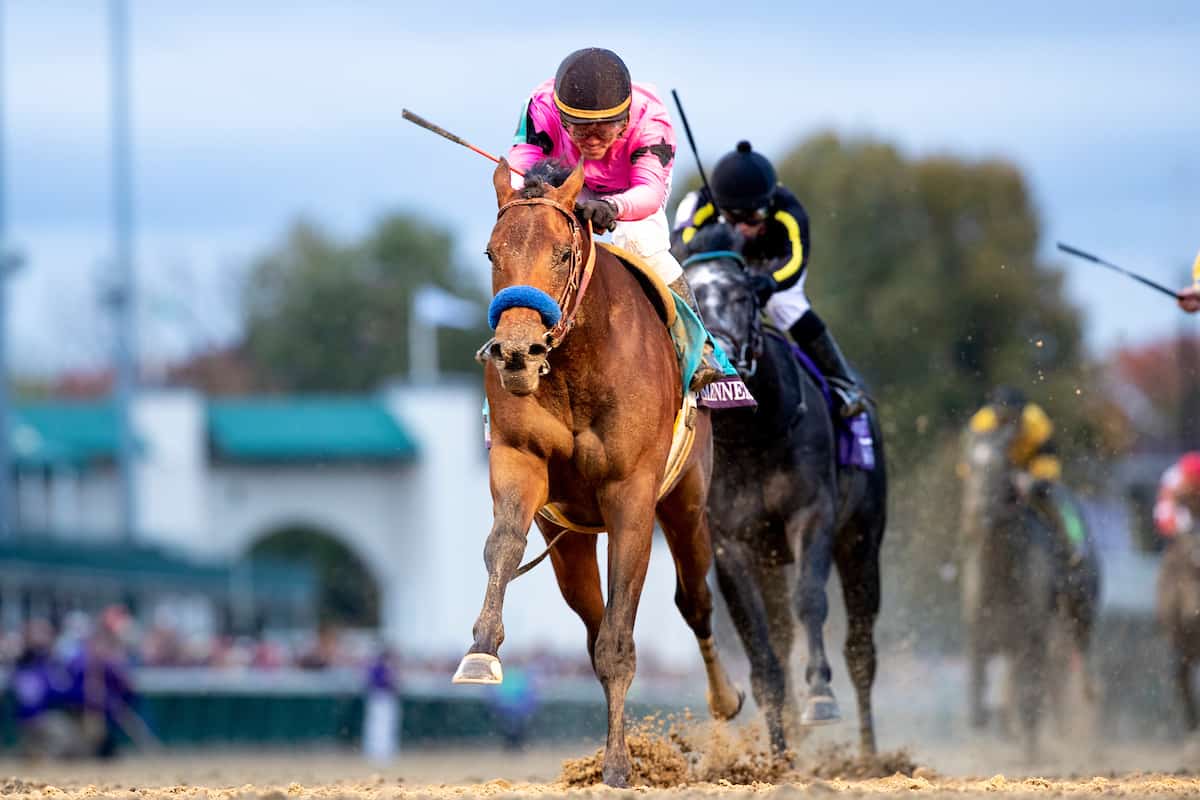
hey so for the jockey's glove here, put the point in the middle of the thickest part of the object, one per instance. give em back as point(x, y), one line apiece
point(763, 286)
point(602, 213)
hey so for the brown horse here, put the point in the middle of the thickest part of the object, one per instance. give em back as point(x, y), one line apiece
point(581, 417)
point(1178, 601)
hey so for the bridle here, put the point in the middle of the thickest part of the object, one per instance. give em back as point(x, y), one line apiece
point(583, 262)
point(746, 358)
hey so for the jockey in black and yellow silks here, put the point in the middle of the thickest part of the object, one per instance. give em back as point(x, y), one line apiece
point(774, 227)
point(1034, 453)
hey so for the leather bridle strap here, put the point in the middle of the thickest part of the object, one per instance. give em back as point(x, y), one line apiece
point(582, 265)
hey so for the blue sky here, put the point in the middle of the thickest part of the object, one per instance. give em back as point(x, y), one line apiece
point(244, 119)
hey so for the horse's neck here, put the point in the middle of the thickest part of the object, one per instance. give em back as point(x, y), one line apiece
point(1006, 548)
point(588, 353)
point(777, 387)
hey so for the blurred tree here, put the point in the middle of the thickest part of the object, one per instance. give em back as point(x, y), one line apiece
point(323, 315)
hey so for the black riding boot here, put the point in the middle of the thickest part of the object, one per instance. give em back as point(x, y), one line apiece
point(709, 369)
point(816, 341)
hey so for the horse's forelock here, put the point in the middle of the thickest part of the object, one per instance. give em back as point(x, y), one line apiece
point(713, 237)
point(545, 175)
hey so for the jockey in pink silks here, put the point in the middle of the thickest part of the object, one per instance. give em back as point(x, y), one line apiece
point(592, 112)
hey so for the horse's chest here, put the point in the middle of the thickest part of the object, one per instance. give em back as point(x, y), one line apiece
point(590, 458)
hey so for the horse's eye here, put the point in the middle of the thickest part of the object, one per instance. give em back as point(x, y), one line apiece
point(490, 255)
point(564, 256)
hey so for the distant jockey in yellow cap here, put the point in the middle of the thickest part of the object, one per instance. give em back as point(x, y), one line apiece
point(1034, 454)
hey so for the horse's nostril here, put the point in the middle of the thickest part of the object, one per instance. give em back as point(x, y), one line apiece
point(537, 350)
point(496, 351)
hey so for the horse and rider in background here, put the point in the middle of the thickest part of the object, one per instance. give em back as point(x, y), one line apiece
point(1176, 515)
point(800, 487)
point(1030, 570)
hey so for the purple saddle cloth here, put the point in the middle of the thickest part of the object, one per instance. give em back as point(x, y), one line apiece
point(855, 442)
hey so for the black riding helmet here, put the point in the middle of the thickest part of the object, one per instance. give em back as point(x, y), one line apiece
point(592, 85)
point(743, 181)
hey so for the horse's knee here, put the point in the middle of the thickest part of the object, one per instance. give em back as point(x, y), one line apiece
point(812, 605)
point(506, 541)
point(614, 656)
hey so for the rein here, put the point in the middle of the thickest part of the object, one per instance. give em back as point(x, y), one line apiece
point(582, 267)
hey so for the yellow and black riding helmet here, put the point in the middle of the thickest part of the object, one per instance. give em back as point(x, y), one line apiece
point(592, 85)
point(743, 183)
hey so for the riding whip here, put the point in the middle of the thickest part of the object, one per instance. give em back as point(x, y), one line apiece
point(1139, 278)
point(687, 129)
point(429, 126)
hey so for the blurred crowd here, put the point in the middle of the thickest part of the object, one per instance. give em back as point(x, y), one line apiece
point(72, 687)
point(72, 696)
point(165, 643)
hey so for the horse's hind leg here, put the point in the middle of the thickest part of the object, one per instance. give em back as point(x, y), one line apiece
point(774, 581)
point(578, 575)
point(628, 511)
point(685, 526)
point(858, 568)
point(519, 485)
point(812, 607)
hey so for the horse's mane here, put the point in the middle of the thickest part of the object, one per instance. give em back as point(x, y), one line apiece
point(716, 236)
point(543, 175)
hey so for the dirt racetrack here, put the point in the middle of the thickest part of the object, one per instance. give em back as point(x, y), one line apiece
point(548, 772)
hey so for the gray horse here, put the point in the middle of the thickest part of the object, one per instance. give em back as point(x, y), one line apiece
point(778, 496)
point(1021, 599)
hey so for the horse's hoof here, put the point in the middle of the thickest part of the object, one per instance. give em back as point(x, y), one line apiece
point(479, 668)
point(821, 710)
point(617, 777)
point(729, 708)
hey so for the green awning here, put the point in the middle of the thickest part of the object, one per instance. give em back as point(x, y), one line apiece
point(306, 429)
point(73, 559)
point(68, 433)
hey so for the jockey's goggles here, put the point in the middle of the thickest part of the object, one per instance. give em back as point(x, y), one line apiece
point(577, 130)
point(746, 216)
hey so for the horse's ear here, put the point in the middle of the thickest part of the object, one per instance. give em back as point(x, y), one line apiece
point(570, 188)
point(502, 180)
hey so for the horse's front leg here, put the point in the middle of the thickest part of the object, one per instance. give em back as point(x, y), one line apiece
point(628, 511)
point(812, 607)
point(519, 485)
